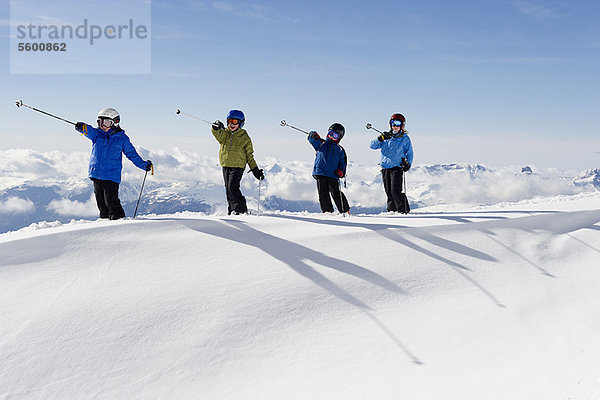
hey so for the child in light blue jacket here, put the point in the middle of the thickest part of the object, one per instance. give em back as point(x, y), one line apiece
point(396, 159)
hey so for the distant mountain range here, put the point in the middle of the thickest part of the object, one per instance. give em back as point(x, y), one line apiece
point(53, 186)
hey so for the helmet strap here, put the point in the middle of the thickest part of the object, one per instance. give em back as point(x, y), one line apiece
point(400, 133)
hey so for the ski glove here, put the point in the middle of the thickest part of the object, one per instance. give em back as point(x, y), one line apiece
point(258, 173)
point(384, 136)
point(314, 135)
point(218, 126)
point(79, 126)
point(148, 165)
point(339, 173)
point(404, 165)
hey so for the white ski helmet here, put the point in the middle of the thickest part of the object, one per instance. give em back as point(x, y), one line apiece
point(110, 113)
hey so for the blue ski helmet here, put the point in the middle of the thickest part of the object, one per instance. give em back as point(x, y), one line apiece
point(237, 114)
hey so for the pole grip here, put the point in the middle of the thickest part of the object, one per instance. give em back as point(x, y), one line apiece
point(369, 126)
point(21, 104)
point(178, 112)
point(283, 123)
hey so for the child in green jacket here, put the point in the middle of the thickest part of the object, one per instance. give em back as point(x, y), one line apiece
point(235, 152)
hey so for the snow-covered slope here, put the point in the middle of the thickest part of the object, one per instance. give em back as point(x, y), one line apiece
point(53, 186)
point(498, 303)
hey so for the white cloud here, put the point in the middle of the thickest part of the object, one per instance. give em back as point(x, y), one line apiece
point(539, 9)
point(66, 207)
point(16, 205)
point(254, 11)
point(33, 165)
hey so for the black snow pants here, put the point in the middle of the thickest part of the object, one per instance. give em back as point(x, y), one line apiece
point(327, 188)
point(107, 199)
point(392, 183)
point(236, 202)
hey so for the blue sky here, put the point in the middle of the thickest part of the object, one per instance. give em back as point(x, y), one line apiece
point(497, 82)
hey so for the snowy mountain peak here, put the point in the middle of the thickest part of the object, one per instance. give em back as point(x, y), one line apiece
point(439, 169)
point(527, 170)
point(587, 178)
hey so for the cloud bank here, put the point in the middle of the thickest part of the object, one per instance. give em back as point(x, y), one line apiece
point(16, 205)
point(54, 185)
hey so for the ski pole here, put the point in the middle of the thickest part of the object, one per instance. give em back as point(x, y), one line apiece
point(20, 103)
point(342, 208)
point(404, 179)
point(178, 111)
point(283, 123)
point(369, 126)
point(258, 206)
point(141, 190)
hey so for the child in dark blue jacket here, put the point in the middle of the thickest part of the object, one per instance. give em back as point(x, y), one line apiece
point(109, 142)
point(330, 166)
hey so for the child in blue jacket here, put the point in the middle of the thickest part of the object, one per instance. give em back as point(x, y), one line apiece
point(330, 166)
point(396, 159)
point(109, 142)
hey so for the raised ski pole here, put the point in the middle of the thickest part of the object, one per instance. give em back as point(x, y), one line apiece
point(20, 103)
point(179, 112)
point(369, 126)
point(283, 123)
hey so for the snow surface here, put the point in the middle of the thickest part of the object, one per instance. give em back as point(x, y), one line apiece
point(495, 302)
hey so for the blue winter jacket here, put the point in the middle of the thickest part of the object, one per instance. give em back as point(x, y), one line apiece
point(330, 157)
point(394, 150)
point(107, 149)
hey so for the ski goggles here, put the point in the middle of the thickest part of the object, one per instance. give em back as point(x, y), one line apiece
point(396, 122)
point(106, 122)
point(233, 121)
point(334, 135)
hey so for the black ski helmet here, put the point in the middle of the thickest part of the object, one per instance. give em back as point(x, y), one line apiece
point(397, 117)
point(337, 128)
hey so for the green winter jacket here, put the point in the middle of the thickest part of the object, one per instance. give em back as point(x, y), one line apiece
point(236, 148)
